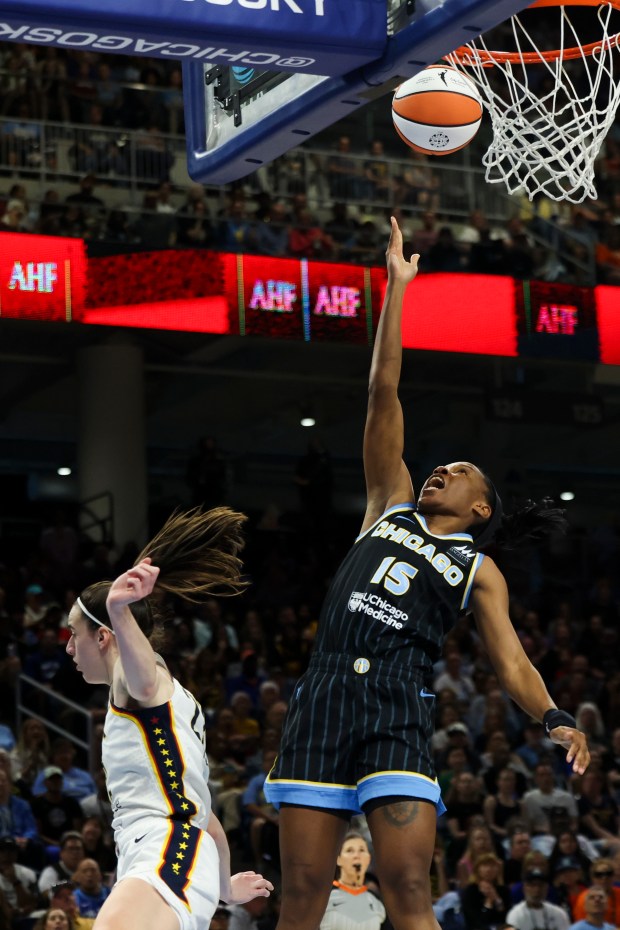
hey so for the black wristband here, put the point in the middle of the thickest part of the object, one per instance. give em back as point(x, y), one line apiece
point(557, 718)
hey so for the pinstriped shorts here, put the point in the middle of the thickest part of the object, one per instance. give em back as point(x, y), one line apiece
point(356, 729)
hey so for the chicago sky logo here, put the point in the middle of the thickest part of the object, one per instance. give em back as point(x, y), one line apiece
point(462, 554)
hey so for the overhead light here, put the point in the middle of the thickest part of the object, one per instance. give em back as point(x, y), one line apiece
point(567, 496)
point(64, 471)
point(308, 421)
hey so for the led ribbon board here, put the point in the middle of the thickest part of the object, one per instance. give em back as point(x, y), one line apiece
point(315, 36)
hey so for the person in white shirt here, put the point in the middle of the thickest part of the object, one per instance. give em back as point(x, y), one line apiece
point(534, 913)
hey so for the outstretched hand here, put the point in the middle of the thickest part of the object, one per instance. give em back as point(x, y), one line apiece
point(133, 585)
point(576, 743)
point(399, 269)
point(248, 885)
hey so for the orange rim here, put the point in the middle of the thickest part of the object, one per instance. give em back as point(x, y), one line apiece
point(487, 59)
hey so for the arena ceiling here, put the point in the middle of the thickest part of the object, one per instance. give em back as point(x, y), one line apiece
point(250, 393)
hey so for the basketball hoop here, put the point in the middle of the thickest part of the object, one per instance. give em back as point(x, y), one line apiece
point(547, 133)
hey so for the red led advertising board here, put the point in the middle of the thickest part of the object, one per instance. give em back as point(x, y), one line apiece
point(41, 277)
point(212, 292)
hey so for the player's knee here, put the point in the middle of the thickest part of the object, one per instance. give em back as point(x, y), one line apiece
point(408, 886)
point(306, 880)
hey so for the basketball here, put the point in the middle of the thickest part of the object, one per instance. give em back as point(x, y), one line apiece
point(438, 111)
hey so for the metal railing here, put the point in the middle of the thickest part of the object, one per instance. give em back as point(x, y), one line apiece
point(59, 709)
point(128, 164)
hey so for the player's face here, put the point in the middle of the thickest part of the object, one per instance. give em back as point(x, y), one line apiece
point(458, 489)
point(354, 859)
point(83, 647)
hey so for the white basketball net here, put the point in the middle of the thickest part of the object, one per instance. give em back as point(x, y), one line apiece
point(546, 133)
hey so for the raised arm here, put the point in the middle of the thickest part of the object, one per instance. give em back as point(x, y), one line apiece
point(516, 673)
point(387, 479)
point(139, 675)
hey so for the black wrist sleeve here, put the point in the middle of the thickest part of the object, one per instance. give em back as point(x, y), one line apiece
point(557, 718)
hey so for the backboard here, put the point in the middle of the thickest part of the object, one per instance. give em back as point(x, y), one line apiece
point(238, 119)
point(262, 75)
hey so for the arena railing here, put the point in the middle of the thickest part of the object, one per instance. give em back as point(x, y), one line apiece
point(129, 163)
point(58, 714)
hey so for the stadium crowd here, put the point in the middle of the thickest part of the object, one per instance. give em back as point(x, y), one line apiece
point(524, 841)
point(119, 121)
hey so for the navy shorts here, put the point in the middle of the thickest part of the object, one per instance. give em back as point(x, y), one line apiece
point(356, 729)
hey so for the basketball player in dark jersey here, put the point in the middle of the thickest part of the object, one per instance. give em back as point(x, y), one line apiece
point(358, 731)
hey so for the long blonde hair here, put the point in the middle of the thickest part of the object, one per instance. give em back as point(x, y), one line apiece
point(196, 552)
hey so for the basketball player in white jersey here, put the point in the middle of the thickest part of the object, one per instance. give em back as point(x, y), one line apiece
point(173, 856)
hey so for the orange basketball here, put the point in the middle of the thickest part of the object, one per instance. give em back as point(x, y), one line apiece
point(438, 111)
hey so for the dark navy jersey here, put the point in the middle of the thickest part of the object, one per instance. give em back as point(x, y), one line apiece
point(398, 591)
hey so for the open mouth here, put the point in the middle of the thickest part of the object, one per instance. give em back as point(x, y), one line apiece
point(435, 483)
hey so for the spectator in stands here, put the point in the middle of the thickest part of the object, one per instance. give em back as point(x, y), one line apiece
point(70, 856)
point(341, 226)
point(602, 878)
point(454, 677)
point(568, 882)
point(307, 239)
point(63, 898)
point(485, 898)
point(249, 680)
point(262, 817)
point(109, 94)
point(98, 804)
point(155, 230)
point(20, 141)
point(607, 254)
point(154, 159)
point(535, 747)
point(17, 822)
point(588, 713)
point(363, 248)
point(546, 803)
point(272, 232)
point(345, 173)
point(247, 916)
point(518, 847)
point(236, 232)
point(18, 883)
point(44, 662)
point(595, 907)
point(463, 802)
point(567, 845)
point(479, 842)
point(534, 912)
point(599, 817)
point(81, 90)
point(445, 254)
point(378, 184)
point(13, 217)
point(55, 812)
point(76, 782)
point(534, 859)
point(425, 237)
point(90, 892)
point(99, 844)
point(194, 227)
point(244, 726)
point(497, 756)
point(488, 255)
point(51, 76)
point(31, 753)
point(504, 805)
point(417, 184)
